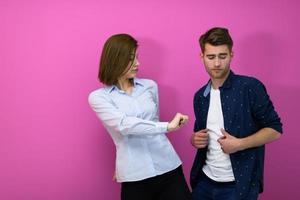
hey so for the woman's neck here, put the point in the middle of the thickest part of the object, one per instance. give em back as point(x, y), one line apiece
point(126, 85)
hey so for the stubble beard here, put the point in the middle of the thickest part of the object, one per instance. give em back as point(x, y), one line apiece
point(220, 75)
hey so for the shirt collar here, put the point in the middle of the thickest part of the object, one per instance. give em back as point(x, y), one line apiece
point(228, 81)
point(226, 84)
point(136, 82)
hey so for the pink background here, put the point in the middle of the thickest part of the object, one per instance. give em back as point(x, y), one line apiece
point(52, 146)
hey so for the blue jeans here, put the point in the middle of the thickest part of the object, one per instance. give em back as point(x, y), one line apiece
point(208, 189)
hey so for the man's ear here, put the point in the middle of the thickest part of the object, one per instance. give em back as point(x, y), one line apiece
point(201, 56)
point(231, 54)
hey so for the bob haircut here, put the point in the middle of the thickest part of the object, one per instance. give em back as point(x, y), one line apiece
point(118, 51)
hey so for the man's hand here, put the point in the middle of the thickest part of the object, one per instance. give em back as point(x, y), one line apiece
point(200, 139)
point(229, 144)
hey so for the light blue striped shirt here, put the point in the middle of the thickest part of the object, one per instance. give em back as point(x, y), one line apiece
point(143, 150)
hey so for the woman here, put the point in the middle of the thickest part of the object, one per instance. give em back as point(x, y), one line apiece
point(146, 163)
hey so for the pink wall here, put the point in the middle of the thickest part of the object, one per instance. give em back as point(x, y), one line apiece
point(52, 146)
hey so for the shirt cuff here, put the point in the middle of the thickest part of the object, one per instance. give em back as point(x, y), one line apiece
point(162, 126)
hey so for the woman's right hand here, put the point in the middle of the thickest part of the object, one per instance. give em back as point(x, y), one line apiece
point(114, 178)
point(177, 122)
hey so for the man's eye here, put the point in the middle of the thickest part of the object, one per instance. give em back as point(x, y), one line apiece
point(223, 56)
point(210, 57)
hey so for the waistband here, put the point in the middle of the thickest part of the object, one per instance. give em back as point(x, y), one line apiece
point(175, 172)
point(217, 183)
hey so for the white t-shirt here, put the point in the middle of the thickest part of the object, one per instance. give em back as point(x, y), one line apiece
point(218, 165)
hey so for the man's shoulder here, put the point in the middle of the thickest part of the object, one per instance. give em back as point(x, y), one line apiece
point(200, 91)
point(243, 80)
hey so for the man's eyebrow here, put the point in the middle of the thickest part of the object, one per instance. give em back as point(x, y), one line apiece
point(223, 54)
point(220, 54)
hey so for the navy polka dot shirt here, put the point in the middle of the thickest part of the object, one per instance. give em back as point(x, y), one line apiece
point(246, 108)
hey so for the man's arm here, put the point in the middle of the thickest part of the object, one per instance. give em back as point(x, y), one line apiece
point(231, 144)
point(263, 136)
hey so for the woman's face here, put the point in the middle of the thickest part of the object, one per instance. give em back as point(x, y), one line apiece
point(132, 67)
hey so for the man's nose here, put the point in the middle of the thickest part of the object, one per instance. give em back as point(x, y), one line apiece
point(217, 62)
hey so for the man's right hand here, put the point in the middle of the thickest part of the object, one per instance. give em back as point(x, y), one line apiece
point(200, 139)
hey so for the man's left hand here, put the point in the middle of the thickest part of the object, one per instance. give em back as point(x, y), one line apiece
point(229, 144)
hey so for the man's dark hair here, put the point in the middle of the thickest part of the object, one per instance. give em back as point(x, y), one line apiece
point(216, 36)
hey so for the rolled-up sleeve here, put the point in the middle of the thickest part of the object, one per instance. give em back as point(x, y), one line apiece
point(114, 119)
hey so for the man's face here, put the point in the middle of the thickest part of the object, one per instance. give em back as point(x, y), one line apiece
point(217, 60)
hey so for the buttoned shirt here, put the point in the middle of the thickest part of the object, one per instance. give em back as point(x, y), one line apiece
point(246, 108)
point(132, 120)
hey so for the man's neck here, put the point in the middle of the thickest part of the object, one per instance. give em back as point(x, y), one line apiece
point(216, 83)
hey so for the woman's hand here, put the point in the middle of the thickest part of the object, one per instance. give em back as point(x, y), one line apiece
point(114, 178)
point(177, 122)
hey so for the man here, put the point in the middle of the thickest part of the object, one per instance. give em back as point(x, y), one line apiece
point(234, 120)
